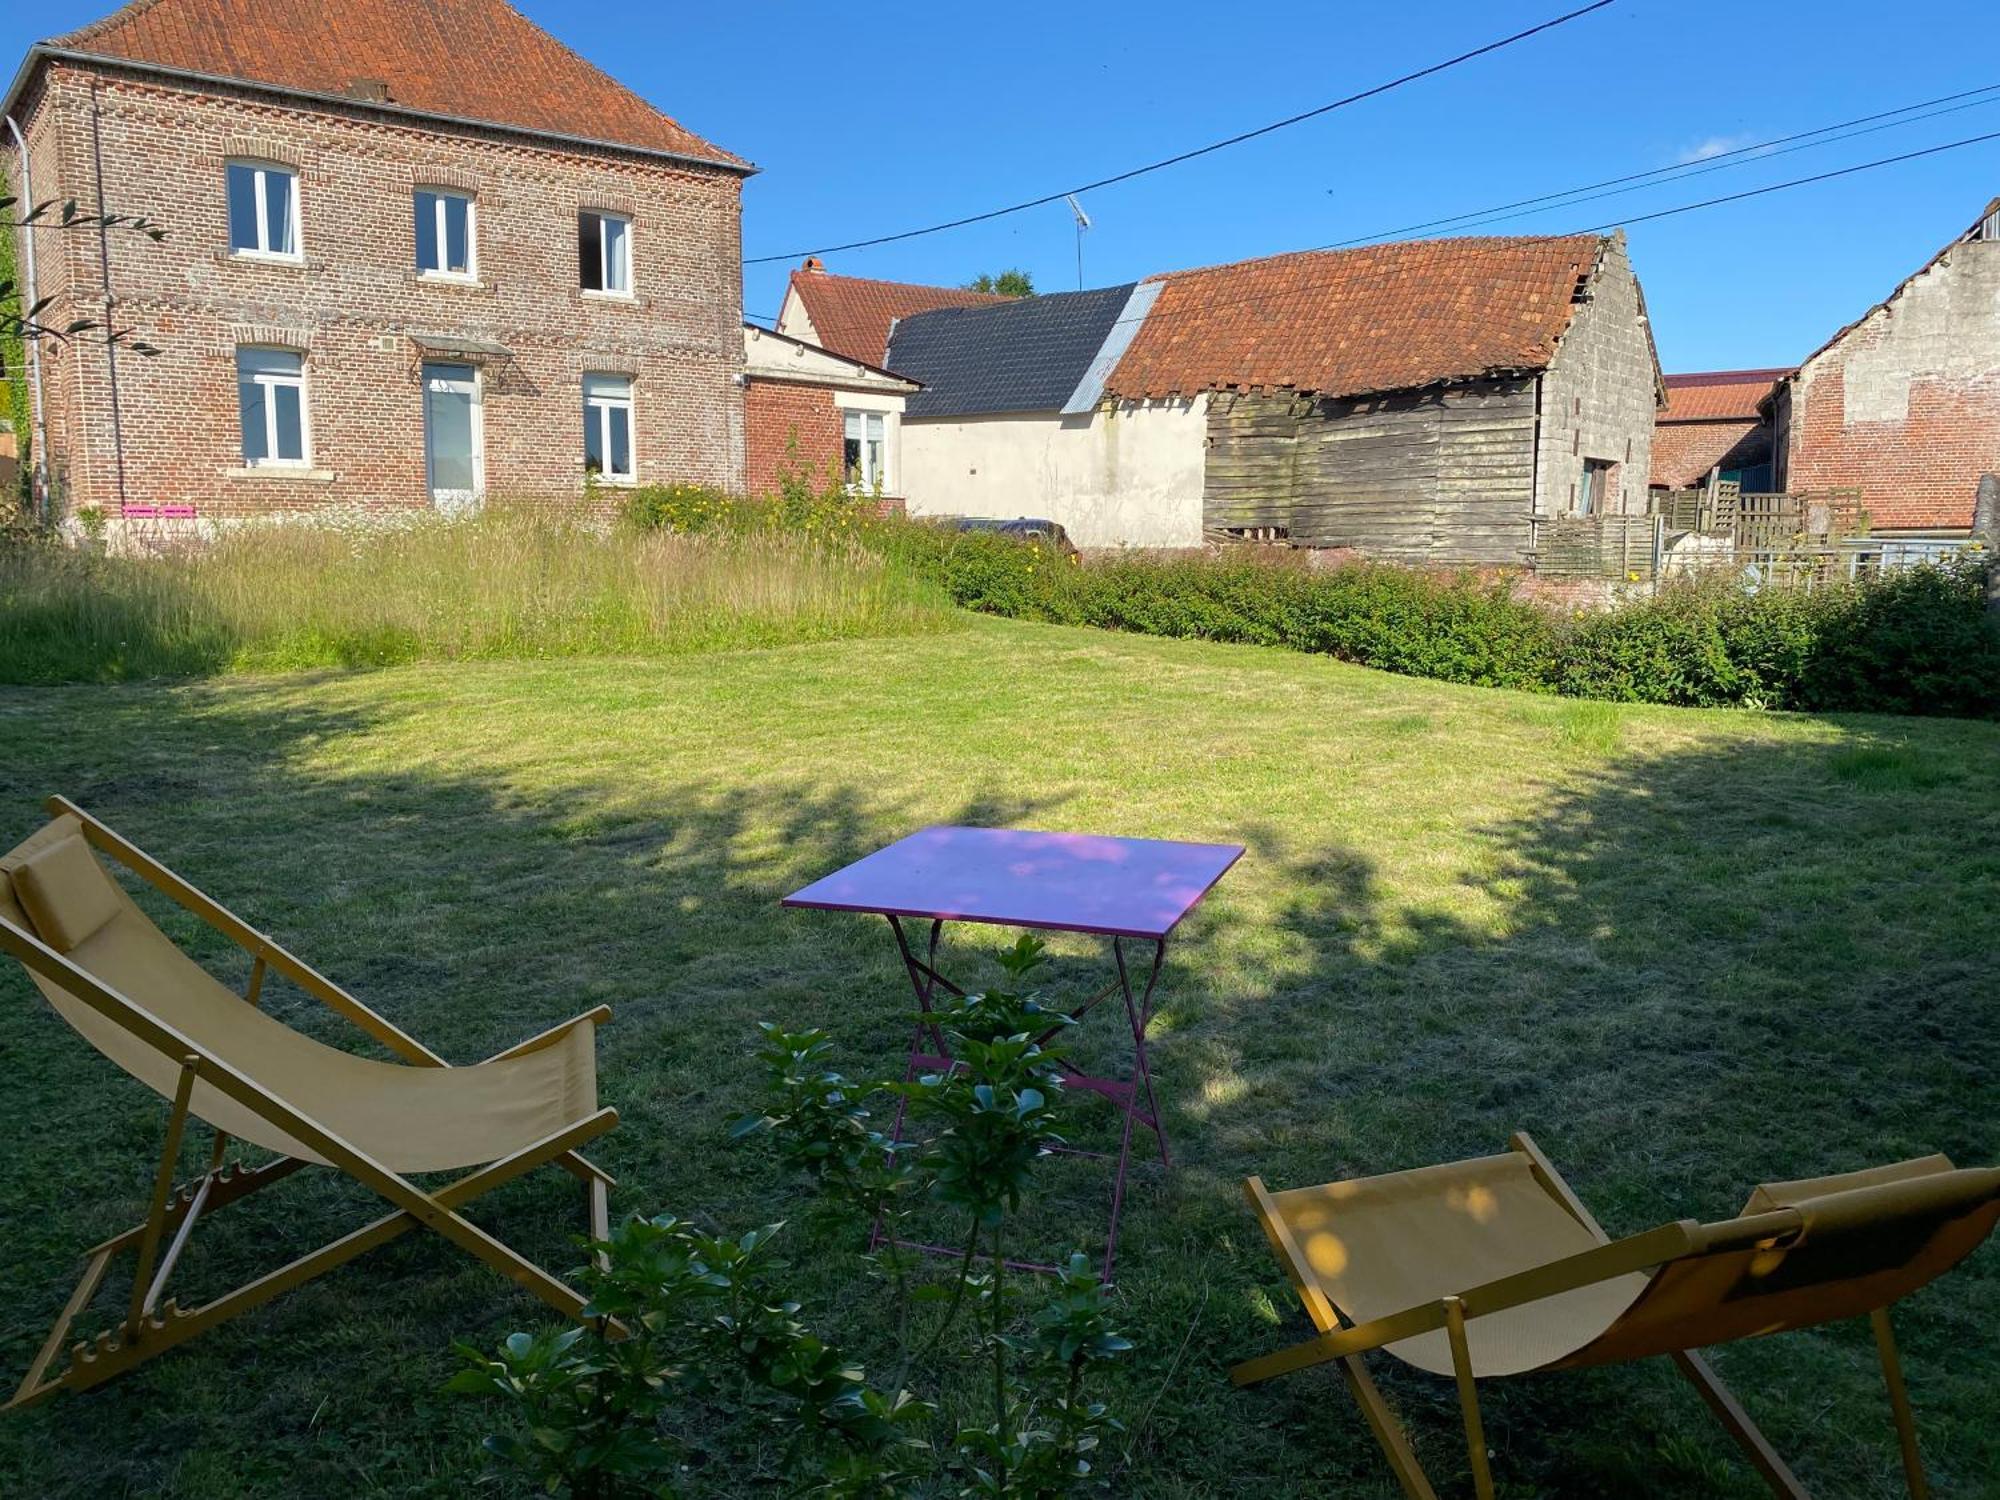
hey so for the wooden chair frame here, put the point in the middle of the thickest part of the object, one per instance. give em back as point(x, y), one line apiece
point(1608, 1259)
point(152, 1326)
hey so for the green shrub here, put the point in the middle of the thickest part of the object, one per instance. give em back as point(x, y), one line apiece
point(1913, 642)
point(690, 1358)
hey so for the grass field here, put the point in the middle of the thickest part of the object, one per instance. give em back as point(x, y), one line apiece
point(1688, 951)
point(517, 581)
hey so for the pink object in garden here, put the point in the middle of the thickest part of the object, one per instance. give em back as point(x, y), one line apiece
point(1136, 889)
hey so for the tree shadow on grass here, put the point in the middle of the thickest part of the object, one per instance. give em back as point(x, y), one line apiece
point(472, 912)
point(1684, 975)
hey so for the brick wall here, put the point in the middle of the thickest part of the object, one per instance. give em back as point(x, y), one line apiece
point(1684, 452)
point(356, 299)
point(773, 412)
point(1599, 396)
point(1906, 404)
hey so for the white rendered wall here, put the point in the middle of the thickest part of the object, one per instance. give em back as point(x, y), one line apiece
point(1127, 476)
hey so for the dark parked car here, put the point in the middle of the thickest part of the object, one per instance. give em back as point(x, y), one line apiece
point(1026, 528)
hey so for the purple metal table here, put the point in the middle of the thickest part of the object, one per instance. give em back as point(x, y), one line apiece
point(1124, 889)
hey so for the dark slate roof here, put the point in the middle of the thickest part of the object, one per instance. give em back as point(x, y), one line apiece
point(1023, 355)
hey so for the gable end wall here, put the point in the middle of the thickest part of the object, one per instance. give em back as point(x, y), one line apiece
point(1905, 405)
point(1599, 394)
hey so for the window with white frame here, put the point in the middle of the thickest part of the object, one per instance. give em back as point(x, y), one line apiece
point(447, 231)
point(865, 450)
point(604, 251)
point(271, 397)
point(263, 209)
point(607, 427)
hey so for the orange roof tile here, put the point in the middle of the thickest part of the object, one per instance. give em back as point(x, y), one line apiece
point(1351, 322)
point(852, 314)
point(477, 60)
point(1719, 395)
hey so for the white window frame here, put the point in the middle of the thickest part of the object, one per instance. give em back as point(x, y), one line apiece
point(261, 171)
point(471, 202)
point(610, 216)
point(864, 483)
point(270, 380)
point(597, 409)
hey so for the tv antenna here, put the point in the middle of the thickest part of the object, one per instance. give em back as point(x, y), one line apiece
point(1082, 223)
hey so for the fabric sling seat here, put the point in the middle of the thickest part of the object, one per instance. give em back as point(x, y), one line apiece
point(1493, 1267)
point(114, 976)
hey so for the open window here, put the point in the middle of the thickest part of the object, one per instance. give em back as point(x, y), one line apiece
point(447, 234)
point(263, 210)
point(865, 450)
point(604, 252)
point(271, 400)
point(607, 428)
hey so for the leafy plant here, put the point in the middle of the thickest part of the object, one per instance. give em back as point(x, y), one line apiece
point(681, 1322)
point(678, 1321)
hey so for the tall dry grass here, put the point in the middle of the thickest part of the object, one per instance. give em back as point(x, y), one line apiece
point(513, 582)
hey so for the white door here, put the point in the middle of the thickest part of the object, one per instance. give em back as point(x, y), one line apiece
point(454, 444)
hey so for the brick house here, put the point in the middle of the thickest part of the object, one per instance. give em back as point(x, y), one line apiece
point(1716, 421)
point(1904, 403)
point(416, 253)
point(811, 409)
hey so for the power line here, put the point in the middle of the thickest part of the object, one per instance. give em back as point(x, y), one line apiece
point(1778, 187)
point(1187, 156)
point(1511, 244)
point(1721, 161)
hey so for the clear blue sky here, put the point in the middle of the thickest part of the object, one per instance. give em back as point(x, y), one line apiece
point(895, 115)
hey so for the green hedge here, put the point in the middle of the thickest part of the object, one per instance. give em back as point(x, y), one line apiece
point(1916, 642)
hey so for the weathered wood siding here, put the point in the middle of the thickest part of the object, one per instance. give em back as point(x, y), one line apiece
point(1442, 476)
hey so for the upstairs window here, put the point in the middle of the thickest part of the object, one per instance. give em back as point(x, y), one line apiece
point(607, 427)
point(865, 450)
point(446, 225)
point(263, 210)
point(604, 252)
point(271, 396)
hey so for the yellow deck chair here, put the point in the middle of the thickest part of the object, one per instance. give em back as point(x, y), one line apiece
point(132, 994)
point(1493, 1267)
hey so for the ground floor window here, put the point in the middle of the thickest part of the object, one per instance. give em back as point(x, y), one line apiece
point(865, 450)
point(607, 426)
point(271, 399)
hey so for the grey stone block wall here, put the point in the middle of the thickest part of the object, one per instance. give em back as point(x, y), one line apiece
point(1600, 393)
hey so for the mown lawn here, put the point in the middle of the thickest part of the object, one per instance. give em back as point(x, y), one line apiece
point(1688, 951)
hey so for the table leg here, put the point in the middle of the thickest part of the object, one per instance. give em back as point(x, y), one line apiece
point(1140, 1015)
point(1137, 1014)
point(925, 981)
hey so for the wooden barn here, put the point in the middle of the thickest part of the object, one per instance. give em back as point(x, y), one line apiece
point(1425, 401)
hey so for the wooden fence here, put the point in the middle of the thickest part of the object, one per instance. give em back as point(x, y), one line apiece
point(1781, 538)
point(1609, 546)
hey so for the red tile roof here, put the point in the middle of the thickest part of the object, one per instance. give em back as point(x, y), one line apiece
point(469, 59)
point(1351, 322)
point(852, 314)
point(1719, 395)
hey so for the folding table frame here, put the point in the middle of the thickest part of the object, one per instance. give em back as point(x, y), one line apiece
point(1128, 890)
